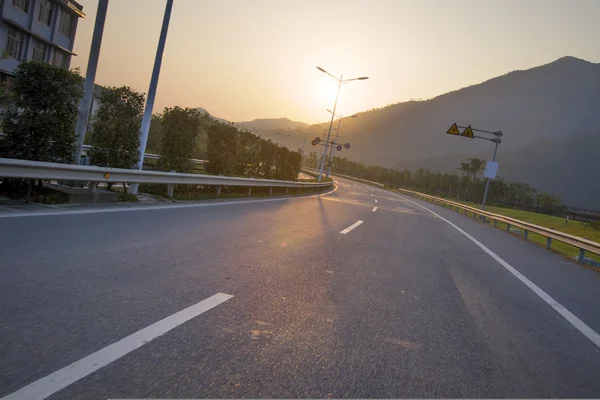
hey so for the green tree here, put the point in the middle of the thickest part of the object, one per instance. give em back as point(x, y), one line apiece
point(40, 121)
point(115, 134)
point(311, 160)
point(180, 127)
point(154, 144)
point(471, 169)
point(549, 204)
point(222, 148)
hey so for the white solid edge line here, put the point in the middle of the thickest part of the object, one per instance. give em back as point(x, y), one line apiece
point(559, 308)
point(374, 209)
point(148, 208)
point(348, 229)
point(50, 384)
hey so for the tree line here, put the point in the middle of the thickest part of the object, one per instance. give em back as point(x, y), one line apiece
point(41, 108)
point(467, 185)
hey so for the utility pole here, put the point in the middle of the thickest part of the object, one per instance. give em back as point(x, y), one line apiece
point(90, 76)
point(147, 118)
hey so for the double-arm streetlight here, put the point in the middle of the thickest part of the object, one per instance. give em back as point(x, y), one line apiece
point(337, 133)
point(340, 82)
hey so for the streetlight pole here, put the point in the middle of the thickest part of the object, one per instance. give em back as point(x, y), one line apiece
point(320, 151)
point(90, 76)
point(335, 140)
point(340, 82)
point(147, 118)
point(337, 133)
point(329, 132)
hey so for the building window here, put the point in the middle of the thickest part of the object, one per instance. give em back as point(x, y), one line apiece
point(6, 83)
point(59, 59)
point(45, 12)
point(66, 24)
point(14, 42)
point(22, 4)
point(39, 51)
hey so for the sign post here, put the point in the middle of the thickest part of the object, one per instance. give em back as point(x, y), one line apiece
point(490, 170)
point(492, 166)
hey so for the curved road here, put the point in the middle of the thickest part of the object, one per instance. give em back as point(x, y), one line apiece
point(289, 298)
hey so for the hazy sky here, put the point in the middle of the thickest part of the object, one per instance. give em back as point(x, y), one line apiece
point(250, 59)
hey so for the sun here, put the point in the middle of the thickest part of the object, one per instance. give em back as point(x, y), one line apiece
point(324, 93)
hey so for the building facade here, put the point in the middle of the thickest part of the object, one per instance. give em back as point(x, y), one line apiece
point(39, 30)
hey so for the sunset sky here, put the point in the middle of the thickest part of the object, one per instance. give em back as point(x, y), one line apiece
point(244, 59)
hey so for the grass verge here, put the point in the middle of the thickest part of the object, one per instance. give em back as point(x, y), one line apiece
point(548, 221)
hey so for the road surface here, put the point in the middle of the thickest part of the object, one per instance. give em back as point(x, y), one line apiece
point(358, 293)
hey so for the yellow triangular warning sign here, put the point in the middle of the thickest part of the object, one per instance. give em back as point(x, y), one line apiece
point(453, 130)
point(468, 132)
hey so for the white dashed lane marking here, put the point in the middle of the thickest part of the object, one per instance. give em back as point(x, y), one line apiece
point(348, 229)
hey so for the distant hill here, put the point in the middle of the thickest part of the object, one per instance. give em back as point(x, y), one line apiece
point(529, 106)
point(203, 111)
point(537, 109)
point(272, 124)
point(546, 114)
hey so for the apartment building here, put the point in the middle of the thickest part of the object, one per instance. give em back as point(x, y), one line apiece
point(40, 30)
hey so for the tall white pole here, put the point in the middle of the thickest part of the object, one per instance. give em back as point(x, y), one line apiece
point(329, 133)
point(147, 118)
point(90, 77)
point(320, 153)
point(337, 133)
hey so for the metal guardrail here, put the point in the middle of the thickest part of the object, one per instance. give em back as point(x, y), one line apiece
point(582, 244)
point(313, 173)
point(358, 180)
point(151, 156)
point(12, 168)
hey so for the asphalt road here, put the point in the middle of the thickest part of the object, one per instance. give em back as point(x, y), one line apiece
point(402, 305)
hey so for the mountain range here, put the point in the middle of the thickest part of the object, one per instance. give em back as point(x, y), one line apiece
point(271, 124)
point(549, 116)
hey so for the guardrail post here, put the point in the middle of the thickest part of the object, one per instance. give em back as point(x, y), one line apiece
point(507, 227)
point(270, 191)
point(92, 190)
point(581, 256)
point(495, 223)
point(286, 190)
point(218, 191)
point(548, 242)
point(170, 188)
point(249, 191)
point(465, 211)
point(525, 234)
